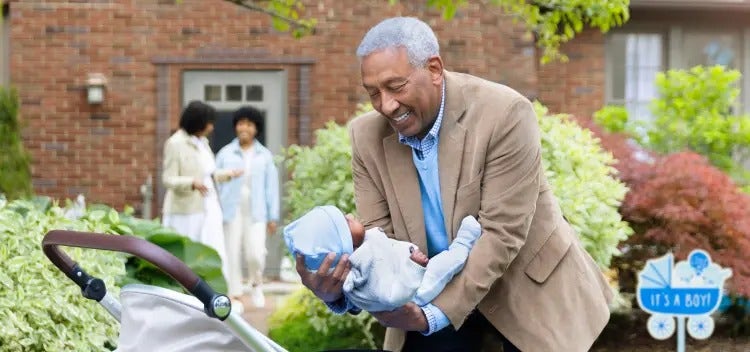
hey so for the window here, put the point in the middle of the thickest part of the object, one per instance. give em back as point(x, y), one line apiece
point(634, 60)
point(254, 93)
point(234, 93)
point(211, 93)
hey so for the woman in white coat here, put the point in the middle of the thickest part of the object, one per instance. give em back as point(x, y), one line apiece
point(191, 205)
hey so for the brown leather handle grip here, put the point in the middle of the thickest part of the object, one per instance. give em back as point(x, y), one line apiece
point(127, 244)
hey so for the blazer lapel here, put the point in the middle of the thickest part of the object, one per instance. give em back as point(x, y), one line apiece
point(450, 149)
point(405, 183)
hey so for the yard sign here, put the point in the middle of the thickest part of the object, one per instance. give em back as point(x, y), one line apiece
point(690, 290)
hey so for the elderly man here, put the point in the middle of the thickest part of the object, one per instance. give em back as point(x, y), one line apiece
point(438, 147)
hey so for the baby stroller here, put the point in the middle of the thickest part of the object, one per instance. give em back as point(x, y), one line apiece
point(153, 318)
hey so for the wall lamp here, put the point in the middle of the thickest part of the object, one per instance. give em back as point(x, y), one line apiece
point(95, 85)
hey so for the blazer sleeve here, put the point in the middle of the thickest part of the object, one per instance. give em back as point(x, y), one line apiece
point(171, 177)
point(509, 189)
point(371, 204)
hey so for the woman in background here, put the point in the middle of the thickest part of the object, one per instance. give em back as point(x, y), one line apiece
point(191, 205)
point(250, 202)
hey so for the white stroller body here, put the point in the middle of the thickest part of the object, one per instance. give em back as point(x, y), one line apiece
point(178, 322)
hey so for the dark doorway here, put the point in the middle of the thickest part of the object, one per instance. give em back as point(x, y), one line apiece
point(224, 130)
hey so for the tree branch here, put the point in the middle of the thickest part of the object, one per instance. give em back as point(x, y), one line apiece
point(297, 24)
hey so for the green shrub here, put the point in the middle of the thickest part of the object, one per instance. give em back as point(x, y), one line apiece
point(303, 323)
point(15, 173)
point(320, 174)
point(694, 111)
point(613, 118)
point(200, 258)
point(581, 175)
point(41, 309)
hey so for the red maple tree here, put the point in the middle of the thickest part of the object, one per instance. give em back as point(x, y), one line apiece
point(681, 203)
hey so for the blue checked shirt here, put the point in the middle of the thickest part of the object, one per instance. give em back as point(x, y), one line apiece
point(436, 319)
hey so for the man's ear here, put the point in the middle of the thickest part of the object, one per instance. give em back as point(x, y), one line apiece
point(435, 66)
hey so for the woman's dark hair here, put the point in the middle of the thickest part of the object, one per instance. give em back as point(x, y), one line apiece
point(251, 114)
point(196, 116)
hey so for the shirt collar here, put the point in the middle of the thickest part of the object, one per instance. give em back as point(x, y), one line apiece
point(435, 130)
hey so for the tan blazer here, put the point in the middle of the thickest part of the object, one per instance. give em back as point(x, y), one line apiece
point(181, 167)
point(528, 273)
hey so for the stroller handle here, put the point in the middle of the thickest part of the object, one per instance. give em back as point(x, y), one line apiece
point(215, 305)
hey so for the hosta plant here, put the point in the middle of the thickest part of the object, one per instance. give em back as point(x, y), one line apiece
point(40, 308)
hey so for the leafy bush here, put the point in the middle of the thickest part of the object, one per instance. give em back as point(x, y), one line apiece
point(41, 309)
point(202, 259)
point(693, 111)
point(320, 174)
point(613, 117)
point(581, 175)
point(683, 203)
point(14, 160)
point(303, 323)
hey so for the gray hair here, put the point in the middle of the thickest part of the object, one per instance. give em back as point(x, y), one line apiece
point(408, 32)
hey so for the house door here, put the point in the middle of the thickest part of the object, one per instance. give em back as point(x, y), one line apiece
point(228, 90)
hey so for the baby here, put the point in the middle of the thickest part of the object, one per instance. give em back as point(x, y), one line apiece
point(385, 273)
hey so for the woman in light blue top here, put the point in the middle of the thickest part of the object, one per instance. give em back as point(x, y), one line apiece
point(250, 203)
point(385, 273)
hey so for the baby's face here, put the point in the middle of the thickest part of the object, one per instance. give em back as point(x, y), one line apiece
point(357, 230)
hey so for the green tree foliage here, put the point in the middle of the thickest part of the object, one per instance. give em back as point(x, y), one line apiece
point(694, 111)
point(285, 15)
point(15, 173)
point(554, 22)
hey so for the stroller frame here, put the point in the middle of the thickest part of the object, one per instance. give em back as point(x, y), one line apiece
point(215, 305)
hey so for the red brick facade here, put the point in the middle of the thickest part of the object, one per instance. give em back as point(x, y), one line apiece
point(577, 86)
point(143, 46)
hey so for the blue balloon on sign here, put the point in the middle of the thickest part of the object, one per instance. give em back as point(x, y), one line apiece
point(699, 261)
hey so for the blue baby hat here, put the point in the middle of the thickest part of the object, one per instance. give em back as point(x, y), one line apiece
point(320, 231)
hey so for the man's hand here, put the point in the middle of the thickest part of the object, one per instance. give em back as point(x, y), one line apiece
point(327, 287)
point(409, 317)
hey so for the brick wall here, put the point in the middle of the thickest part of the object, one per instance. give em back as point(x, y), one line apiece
point(578, 86)
point(107, 151)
